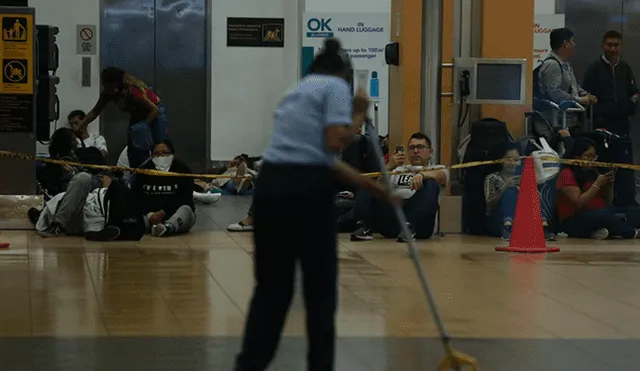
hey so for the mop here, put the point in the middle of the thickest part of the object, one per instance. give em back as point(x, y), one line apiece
point(454, 360)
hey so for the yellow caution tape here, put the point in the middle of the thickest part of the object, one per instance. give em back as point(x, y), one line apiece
point(465, 165)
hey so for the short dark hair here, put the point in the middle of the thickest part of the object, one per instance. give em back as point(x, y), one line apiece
point(421, 136)
point(77, 113)
point(167, 143)
point(558, 37)
point(612, 34)
point(332, 59)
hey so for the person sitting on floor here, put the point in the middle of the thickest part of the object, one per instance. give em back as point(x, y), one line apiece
point(585, 200)
point(420, 189)
point(242, 179)
point(501, 195)
point(199, 194)
point(166, 201)
point(83, 137)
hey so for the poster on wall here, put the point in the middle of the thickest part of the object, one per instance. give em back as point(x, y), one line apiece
point(542, 27)
point(363, 36)
point(255, 32)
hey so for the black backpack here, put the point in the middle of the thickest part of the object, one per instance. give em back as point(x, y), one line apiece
point(488, 140)
point(536, 91)
point(90, 156)
point(123, 211)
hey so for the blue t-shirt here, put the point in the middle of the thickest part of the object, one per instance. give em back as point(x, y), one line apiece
point(317, 102)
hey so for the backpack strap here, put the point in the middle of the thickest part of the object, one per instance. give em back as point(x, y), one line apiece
point(557, 61)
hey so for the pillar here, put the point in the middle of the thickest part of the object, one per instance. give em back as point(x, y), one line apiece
point(509, 37)
point(405, 80)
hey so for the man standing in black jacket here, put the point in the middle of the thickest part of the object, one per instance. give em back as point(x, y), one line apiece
point(612, 81)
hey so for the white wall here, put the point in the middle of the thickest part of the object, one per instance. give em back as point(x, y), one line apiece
point(248, 83)
point(545, 6)
point(66, 14)
point(347, 6)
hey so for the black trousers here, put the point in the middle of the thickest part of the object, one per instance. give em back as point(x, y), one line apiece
point(294, 220)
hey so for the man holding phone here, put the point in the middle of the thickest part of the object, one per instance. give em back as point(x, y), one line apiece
point(420, 190)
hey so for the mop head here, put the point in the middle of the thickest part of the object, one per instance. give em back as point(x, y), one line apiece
point(459, 362)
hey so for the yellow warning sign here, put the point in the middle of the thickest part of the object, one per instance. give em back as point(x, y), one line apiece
point(15, 71)
point(16, 31)
point(17, 53)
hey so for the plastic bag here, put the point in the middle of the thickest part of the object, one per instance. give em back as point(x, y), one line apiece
point(546, 162)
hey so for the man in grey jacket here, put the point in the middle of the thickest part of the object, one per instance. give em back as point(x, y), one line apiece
point(557, 80)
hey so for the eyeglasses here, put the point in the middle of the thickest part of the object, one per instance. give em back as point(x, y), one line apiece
point(418, 147)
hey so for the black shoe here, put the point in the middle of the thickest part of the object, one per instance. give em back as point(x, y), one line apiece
point(362, 234)
point(401, 237)
point(109, 233)
point(54, 230)
point(34, 215)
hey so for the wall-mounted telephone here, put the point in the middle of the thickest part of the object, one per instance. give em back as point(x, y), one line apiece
point(465, 89)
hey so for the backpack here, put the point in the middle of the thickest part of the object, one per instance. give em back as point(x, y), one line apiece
point(486, 142)
point(123, 211)
point(90, 156)
point(537, 92)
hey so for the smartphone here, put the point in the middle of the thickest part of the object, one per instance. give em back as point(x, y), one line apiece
point(518, 170)
point(399, 149)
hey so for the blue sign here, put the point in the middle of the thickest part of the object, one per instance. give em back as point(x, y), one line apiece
point(319, 28)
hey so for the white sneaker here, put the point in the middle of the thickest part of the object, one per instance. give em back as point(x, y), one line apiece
point(206, 198)
point(240, 227)
point(600, 234)
point(158, 230)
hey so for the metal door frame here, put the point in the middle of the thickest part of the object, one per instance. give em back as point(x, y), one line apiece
point(208, 63)
point(209, 73)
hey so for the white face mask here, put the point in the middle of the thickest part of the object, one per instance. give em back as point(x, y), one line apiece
point(163, 163)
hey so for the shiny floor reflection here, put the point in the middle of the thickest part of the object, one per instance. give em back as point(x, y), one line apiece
point(179, 303)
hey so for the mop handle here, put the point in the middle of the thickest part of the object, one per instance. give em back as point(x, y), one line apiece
point(413, 252)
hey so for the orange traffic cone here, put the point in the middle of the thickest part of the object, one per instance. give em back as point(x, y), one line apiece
point(527, 235)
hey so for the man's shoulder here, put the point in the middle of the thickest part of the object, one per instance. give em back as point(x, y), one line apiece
point(625, 65)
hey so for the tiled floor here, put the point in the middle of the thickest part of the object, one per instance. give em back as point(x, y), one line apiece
point(179, 303)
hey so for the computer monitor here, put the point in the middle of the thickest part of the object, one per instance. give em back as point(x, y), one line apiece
point(490, 81)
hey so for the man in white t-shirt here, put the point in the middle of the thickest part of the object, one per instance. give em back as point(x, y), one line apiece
point(413, 179)
point(82, 134)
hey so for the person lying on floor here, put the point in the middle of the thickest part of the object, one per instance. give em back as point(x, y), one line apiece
point(199, 194)
point(166, 201)
point(55, 178)
point(79, 211)
point(501, 196)
point(585, 200)
point(421, 192)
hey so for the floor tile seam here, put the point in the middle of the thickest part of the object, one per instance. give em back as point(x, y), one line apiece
point(569, 278)
point(542, 293)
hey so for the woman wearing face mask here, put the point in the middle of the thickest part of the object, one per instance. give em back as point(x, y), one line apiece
point(148, 122)
point(501, 196)
point(166, 201)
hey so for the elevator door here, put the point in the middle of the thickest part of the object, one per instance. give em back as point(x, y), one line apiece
point(162, 42)
point(589, 20)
